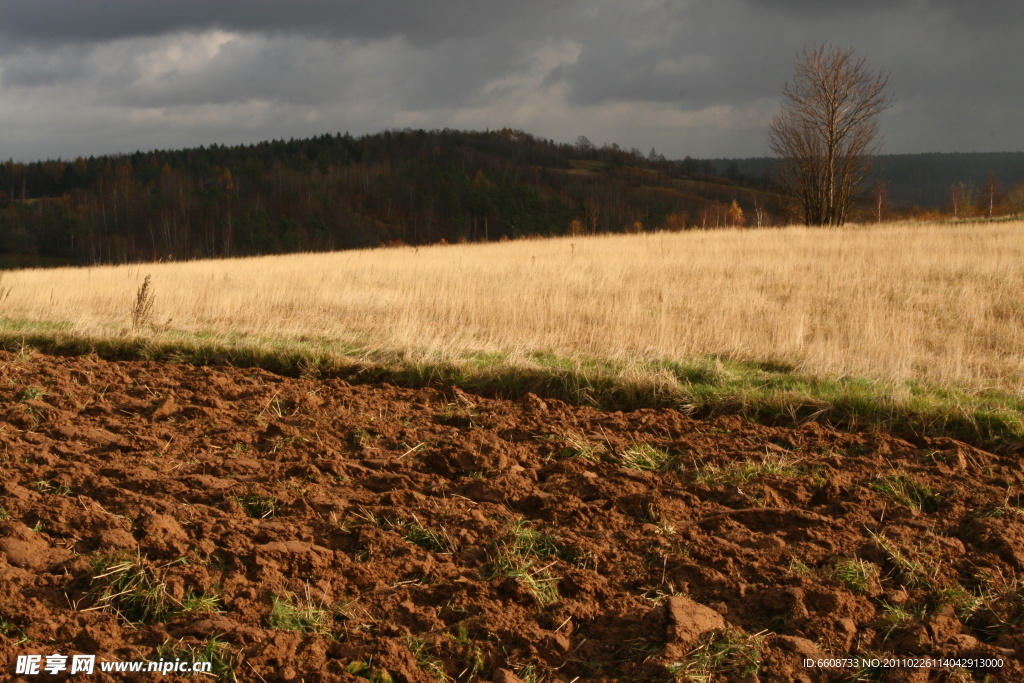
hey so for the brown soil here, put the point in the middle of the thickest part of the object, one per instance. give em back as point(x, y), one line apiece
point(427, 534)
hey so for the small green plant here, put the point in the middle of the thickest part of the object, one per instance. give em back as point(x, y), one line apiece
point(1004, 509)
point(893, 617)
point(426, 660)
point(33, 393)
point(429, 539)
point(908, 491)
point(54, 488)
point(820, 475)
point(4, 514)
point(259, 506)
point(362, 437)
point(739, 473)
point(870, 667)
point(141, 311)
point(913, 571)
point(860, 576)
point(279, 407)
point(358, 667)
point(577, 446)
point(290, 613)
point(207, 601)
point(528, 674)
point(640, 649)
point(373, 519)
point(728, 653)
point(540, 582)
point(222, 659)
point(965, 603)
point(282, 441)
point(516, 554)
point(642, 456)
point(11, 630)
point(523, 540)
point(126, 585)
point(472, 655)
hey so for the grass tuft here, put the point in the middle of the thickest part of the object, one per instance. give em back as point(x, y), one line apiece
point(222, 658)
point(860, 576)
point(729, 653)
point(912, 569)
point(894, 617)
point(739, 473)
point(439, 541)
point(290, 613)
point(642, 456)
point(426, 659)
point(259, 506)
point(577, 446)
point(207, 601)
point(125, 584)
point(516, 555)
point(908, 491)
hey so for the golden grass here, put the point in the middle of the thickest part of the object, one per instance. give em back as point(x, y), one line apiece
point(940, 303)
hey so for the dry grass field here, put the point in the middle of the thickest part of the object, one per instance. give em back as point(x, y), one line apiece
point(940, 303)
point(898, 304)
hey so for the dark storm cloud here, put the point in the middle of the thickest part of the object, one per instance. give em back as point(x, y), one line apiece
point(63, 21)
point(37, 67)
point(464, 44)
point(318, 72)
point(697, 77)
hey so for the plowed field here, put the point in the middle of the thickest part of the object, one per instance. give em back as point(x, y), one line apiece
point(308, 529)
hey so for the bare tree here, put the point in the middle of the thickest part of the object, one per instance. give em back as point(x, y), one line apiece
point(990, 194)
point(880, 197)
point(827, 132)
point(961, 199)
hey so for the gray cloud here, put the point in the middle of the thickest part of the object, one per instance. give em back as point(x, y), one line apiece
point(695, 77)
point(35, 67)
point(63, 21)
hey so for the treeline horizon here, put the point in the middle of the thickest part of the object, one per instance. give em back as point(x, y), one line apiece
point(337, 191)
point(923, 184)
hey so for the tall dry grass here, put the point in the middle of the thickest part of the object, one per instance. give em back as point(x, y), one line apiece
point(935, 302)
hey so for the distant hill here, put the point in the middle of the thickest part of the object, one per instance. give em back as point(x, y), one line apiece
point(338, 191)
point(912, 180)
point(409, 186)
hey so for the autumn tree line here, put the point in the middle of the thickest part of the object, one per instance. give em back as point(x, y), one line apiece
point(413, 187)
point(338, 191)
point(930, 186)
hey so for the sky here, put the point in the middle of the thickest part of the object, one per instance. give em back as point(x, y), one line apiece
point(697, 78)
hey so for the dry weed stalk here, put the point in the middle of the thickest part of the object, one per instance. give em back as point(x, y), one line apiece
point(142, 309)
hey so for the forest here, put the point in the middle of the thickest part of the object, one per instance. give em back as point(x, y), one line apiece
point(339, 191)
point(336, 191)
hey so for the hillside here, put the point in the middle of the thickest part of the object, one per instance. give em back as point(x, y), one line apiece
point(337, 191)
point(921, 181)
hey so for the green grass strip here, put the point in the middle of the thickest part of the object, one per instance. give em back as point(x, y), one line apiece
point(767, 392)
